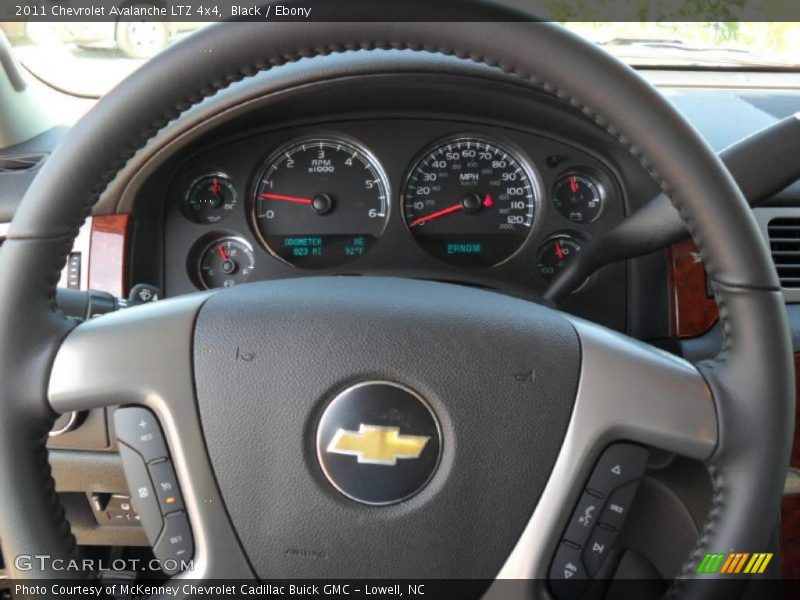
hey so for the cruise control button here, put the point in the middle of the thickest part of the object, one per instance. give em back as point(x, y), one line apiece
point(142, 493)
point(175, 544)
point(166, 484)
point(619, 503)
point(568, 577)
point(583, 519)
point(597, 548)
point(619, 464)
point(139, 429)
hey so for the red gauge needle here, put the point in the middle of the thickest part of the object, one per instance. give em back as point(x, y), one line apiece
point(295, 199)
point(559, 251)
point(223, 253)
point(573, 184)
point(487, 201)
point(216, 185)
point(437, 214)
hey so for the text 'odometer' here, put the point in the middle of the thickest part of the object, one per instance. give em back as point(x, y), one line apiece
point(470, 201)
point(321, 202)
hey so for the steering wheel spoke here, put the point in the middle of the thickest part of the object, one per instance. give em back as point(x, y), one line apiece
point(628, 391)
point(143, 356)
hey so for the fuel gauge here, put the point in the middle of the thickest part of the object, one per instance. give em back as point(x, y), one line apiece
point(225, 262)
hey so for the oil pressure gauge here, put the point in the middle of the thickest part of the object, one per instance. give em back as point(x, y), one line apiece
point(210, 199)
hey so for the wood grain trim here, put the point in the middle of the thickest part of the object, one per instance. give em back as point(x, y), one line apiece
point(692, 311)
point(108, 254)
point(790, 537)
point(790, 508)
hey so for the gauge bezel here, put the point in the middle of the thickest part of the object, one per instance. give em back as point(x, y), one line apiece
point(194, 183)
point(203, 245)
point(283, 148)
point(599, 179)
point(574, 236)
point(509, 147)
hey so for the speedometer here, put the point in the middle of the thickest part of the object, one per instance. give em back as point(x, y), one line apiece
point(470, 201)
point(321, 202)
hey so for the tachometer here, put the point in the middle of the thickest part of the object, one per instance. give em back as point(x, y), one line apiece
point(321, 202)
point(470, 201)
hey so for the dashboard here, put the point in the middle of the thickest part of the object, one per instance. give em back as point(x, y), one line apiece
point(454, 178)
point(451, 200)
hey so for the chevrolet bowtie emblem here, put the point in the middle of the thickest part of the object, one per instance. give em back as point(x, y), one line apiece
point(377, 445)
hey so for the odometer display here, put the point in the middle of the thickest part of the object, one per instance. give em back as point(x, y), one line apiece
point(321, 202)
point(470, 202)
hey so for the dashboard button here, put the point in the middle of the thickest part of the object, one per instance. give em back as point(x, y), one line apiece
point(568, 577)
point(139, 429)
point(597, 549)
point(619, 464)
point(166, 485)
point(583, 519)
point(142, 493)
point(175, 544)
point(619, 503)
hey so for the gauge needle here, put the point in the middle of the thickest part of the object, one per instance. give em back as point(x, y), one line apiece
point(295, 199)
point(216, 185)
point(437, 214)
point(573, 184)
point(559, 251)
point(223, 253)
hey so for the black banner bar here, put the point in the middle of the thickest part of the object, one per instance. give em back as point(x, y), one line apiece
point(399, 10)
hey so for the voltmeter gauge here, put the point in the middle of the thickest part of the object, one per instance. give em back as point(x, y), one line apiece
point(579, 197)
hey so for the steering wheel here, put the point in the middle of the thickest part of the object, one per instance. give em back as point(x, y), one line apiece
point(511, 453)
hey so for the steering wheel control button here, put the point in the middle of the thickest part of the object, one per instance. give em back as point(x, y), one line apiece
point(583, 520)
point(378, 443)
point(568, 577)
point(619, 464)
point(166, 486)
point(619, 503)
point(598, 548)
point(143, 495)
point(175, 546)
point(139, 429)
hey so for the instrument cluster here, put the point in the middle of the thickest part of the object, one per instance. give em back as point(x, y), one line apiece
point(323, 202)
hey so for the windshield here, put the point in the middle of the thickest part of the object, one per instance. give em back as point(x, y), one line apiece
point(88, 59)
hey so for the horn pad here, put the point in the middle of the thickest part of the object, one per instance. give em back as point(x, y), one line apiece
point(493, 376)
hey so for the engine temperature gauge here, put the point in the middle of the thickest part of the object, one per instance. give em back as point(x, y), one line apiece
point(225, 262)
point(556, 253)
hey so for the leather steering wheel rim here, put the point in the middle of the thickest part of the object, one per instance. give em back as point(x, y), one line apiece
point(751, 379)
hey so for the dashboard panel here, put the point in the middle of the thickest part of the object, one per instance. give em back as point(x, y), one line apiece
point(441, 199)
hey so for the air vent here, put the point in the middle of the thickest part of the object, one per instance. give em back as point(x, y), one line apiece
point(784, 243)
point(17, 164)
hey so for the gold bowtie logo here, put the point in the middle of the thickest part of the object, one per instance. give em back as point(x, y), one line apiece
point(377, 445)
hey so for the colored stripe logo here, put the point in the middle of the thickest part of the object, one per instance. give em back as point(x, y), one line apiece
point(735, 563)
